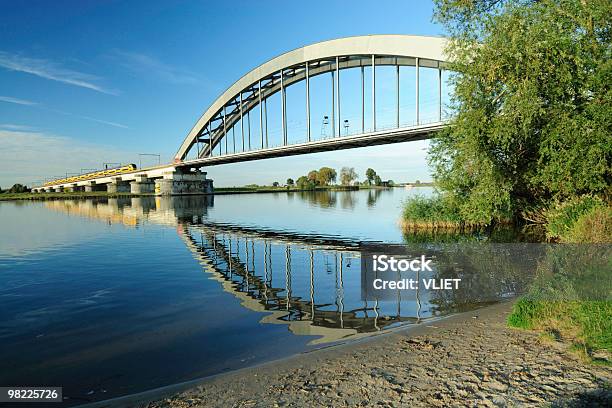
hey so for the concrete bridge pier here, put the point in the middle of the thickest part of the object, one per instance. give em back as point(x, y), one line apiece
point(142, 184)
point(92, 186)
point(72, 188)
point(181, 182)
point(118, 186)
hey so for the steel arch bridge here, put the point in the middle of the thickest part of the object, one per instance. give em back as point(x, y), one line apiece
point(213, 139)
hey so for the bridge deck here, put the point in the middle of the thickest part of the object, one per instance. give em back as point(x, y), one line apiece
point(395, 135)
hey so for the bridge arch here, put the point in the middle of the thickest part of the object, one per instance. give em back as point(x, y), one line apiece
point(274, 76)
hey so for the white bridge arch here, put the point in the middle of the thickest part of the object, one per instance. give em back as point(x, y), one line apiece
point(301, 64)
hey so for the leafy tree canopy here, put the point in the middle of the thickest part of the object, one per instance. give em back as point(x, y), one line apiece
point(532, 104)
point(326, 175)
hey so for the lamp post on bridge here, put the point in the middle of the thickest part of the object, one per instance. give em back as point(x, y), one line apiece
point(324, 124)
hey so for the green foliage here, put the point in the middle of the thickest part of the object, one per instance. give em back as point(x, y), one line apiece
point(370, 176)
point(325, 176)
point(18, 188)
point(584, 323)
point(290, 182)
point(562, 217)
point(570, 297)
point(304, 183)
point(432, 211)
point(595, 226)
point(532, 104)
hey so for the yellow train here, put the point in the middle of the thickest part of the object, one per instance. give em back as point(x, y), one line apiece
point(96, 174)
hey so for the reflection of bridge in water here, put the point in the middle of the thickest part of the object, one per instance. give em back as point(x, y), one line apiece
point(248, 265)
point(311, 283)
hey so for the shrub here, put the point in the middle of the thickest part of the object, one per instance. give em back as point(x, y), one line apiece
point(582, 219)
point(433, 212)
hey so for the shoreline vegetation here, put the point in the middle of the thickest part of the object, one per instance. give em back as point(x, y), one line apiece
point(323, 179)
point(218, 191)
point(529, 143)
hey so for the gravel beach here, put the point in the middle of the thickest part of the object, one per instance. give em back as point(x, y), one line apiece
point(472, 359)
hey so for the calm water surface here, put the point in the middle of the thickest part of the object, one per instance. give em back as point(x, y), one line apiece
point(114, 296)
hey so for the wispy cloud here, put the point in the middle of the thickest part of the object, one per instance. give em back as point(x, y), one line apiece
point(17, 101)
point(11, 126)
point(104, 122)
point(89, 118)
point(52, 71)
point(21, 152)
point(143, 63)
point(31, 103)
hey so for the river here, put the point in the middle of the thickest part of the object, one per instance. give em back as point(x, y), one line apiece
point(109, 297)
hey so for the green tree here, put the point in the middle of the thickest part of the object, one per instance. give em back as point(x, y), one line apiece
point(532, 104)
point(275, 184)
point(18, 188)
point(347, 176)
point(326, 175)
point(290, 182)
point(370, 175)
point(377, 180)
point(303, 183)
point(313, 176)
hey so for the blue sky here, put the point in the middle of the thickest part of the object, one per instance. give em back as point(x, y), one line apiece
point(87, 82)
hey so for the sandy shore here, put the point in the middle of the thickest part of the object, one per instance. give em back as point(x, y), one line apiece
point(467, 360)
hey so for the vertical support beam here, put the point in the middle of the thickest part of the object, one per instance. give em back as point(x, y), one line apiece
point(241, 121)
point(283, 113)
point(308, 100)
point(220, 152)
point(266, 119)
point(373, 93)
point(339, 130)
point(439, 94)
point(333, 104)
point(417, 90)
point(225, 128)
point(397, 94)
point(362, 100)
point(249, 127)
point(260, 117)
point(234, 136)
point(210, 146)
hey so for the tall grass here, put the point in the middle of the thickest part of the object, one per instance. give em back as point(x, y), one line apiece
point(430, 213)
point(570, 299)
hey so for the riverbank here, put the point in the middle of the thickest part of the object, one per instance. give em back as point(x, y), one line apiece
point(468, 359)
point(218, 191)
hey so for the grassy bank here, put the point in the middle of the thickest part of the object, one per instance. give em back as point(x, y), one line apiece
point(220, 190)
point(585, 325)
point(569, 301)
point(432, 213)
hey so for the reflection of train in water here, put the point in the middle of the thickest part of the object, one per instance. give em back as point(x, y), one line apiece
point(96, 174)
